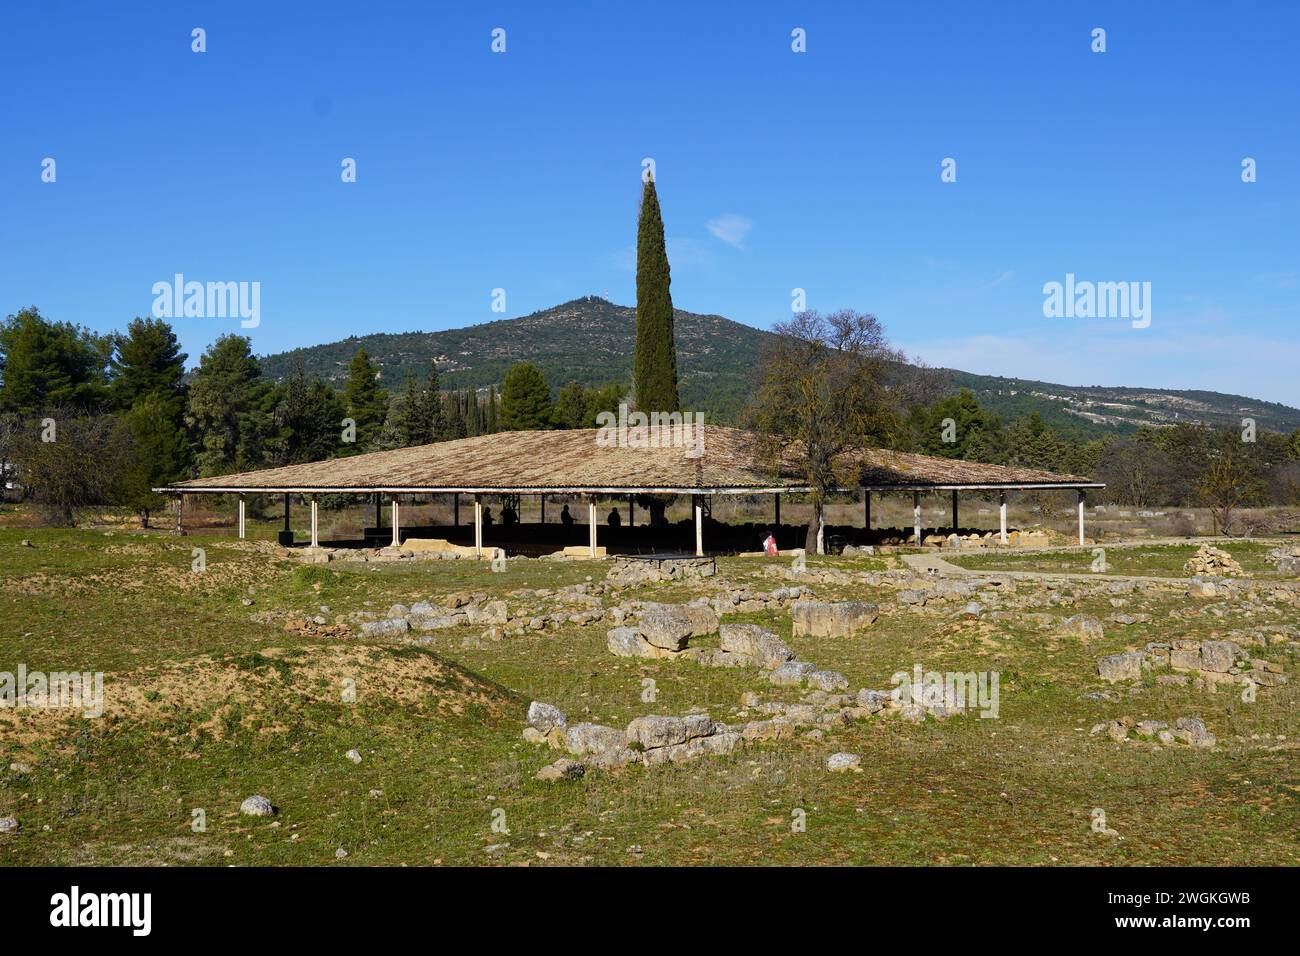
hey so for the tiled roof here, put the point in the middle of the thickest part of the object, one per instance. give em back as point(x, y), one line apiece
point(574, 460)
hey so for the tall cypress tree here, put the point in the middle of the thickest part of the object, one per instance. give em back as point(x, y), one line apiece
point(654, 363)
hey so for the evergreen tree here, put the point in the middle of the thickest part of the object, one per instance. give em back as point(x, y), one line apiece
point(365, 400)
point(50, 364)
point(1293, 446)
point(308, 418)
point(432, 406)
point(525, 399)
point(453, 417)
point(959, 427)
point(146, 360)
point(570, 409)
point(480, 413)
point(1031, 443)
point(492, 423)
point(159, 452)
point(228, 407)
point(654, 361)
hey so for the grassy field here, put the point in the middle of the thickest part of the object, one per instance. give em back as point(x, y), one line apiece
point(210, 700)
point(1144, 560)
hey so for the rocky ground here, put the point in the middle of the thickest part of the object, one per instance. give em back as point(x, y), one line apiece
point(840, 710)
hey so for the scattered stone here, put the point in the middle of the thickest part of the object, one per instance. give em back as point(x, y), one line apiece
point(1192, 730)
point(1083, 626)
point(354, 756)
point(666, 626)
point(1212, 561)
point(1121, 667)
point(9, 824)
point(764, 648)
point(562, 769)
point(1286, 559)
point(872, 701)
point(826, 680)
point(583, 739)
point(385, 628)
point(339, 854)
point(791, 673)
point(628, 642)
point(827, 619)
point(840, 762)
point(544, 717)
point(257, 806)
point(1150, 728)
point(630, 571)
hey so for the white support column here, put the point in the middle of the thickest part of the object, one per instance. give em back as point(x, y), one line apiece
point(591, 524)
point(242, 517)
point(315, 538)
point(1081, 499)
point(396, 522)
point(1002, 515)
point(699, 527)
point(916, 516)
point(478, 526)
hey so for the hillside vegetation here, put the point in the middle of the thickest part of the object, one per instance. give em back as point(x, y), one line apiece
point(590, 341)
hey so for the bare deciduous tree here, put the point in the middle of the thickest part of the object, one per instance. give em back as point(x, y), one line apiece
point(829, 384)
point(80, 467)
point(1228, 483)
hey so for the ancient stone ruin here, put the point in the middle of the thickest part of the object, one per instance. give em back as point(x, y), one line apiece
point(1287, 560)
point(1189, 730)
point(1214, 662)
point(653, 570)
point(1212, 561)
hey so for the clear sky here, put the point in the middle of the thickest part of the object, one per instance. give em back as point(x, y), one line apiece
point(776, 170)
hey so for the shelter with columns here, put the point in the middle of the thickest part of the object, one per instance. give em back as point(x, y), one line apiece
point(579, 463)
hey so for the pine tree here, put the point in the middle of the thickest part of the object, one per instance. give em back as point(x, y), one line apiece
point(525, 399)
point(492, 423)
point(307, 417)
point(413, 421)
point(365, 400)
point(453, 417)
point(146, 360)
point(570, 409)
point(159, 453)
point(50, 364)
point(227, 402)
point(654, 362)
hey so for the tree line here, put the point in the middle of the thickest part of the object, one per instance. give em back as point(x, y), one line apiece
point(828, 385)
point(1181, 465)
point(102, 419)
point(89, 419)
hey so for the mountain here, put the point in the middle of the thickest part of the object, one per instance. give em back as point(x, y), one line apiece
point(590, 340)
point(1107, 409)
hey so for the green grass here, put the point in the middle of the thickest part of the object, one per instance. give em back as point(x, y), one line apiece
point(1166, 560)
point(256, 709)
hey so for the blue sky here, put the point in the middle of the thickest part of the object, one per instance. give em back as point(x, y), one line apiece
point(776, 170)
